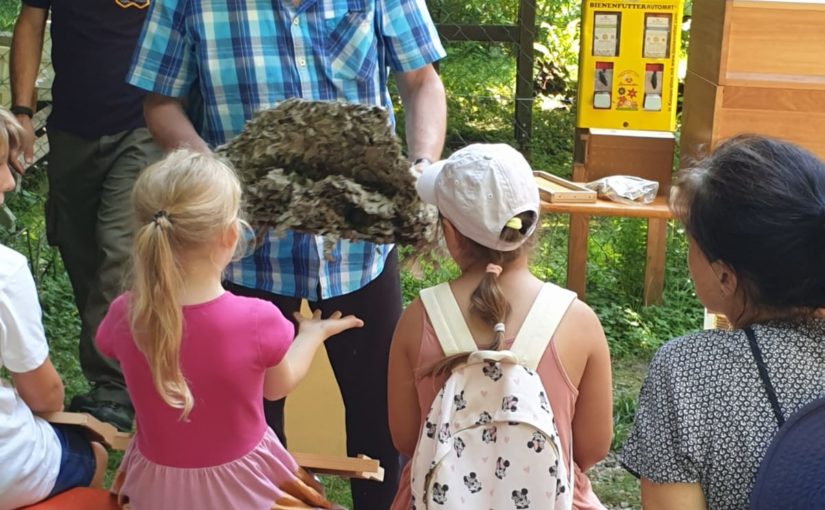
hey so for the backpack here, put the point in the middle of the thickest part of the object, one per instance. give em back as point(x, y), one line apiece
point(791, 475)
point(490, 439)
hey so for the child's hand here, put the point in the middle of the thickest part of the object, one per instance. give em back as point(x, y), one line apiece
point(328, 327)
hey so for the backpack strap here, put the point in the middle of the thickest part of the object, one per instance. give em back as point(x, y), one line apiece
point(447, 320)
point(763, 374)
point(541, 322)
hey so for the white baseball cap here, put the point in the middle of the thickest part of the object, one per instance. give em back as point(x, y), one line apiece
point(479, 189)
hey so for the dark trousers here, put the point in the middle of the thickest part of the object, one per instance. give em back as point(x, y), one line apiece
point(359, 360)
point(88, 217)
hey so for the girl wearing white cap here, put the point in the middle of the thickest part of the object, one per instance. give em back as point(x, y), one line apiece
point(489, 208)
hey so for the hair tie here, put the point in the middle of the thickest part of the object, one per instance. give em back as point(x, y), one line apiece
point(158, 215)
point(514, 223)
point(499, 327)
point(494, 268)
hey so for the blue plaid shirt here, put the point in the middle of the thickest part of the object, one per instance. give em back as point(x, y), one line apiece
point(246, 55)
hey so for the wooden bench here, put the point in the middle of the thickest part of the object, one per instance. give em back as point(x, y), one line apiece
point(349, 467)
point(87, 498)
point(79, 498)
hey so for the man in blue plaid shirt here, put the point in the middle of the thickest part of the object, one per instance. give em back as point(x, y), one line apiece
point(242, 56)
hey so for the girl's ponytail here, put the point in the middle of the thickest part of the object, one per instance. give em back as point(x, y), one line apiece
point(488, 301)
point(157, 318)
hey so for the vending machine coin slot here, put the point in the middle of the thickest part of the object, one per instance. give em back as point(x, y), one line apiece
point(603, 85)
point(653, 87)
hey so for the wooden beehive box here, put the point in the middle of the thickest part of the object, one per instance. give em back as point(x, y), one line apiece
point(606, 152)
point(755, 66)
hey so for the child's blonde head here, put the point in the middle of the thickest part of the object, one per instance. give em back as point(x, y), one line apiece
point(182, 205)
point(11, 132)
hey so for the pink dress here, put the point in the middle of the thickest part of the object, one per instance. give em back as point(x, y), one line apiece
point(560, 391)
point(224, 455)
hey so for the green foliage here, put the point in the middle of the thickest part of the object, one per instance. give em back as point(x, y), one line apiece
point(614, 285)
point(551, 148)
point(464, 12)
point(337, 490)
point(557, 40)
point(60, 318)
point(420, 274)
point(8, 13)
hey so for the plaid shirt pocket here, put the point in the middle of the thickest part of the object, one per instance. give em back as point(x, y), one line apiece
point(350, 45)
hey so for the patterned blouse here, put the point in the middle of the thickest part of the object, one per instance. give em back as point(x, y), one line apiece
point(704, 416)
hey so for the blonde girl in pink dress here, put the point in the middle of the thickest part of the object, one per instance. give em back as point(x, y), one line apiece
point(199, 360)
point(489, 208)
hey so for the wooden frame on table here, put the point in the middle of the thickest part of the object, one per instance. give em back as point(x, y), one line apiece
point(553, 188)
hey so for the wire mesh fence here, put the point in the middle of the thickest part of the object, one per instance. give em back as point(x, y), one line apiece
point(43, 89)
point(488, 72)
point(43, 84)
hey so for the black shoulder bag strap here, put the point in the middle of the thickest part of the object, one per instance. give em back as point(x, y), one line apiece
point(763, 374)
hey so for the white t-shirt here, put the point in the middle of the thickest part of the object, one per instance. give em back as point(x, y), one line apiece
point(29, 449)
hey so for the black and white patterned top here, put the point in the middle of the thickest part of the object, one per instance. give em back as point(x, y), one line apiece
point(703, 414)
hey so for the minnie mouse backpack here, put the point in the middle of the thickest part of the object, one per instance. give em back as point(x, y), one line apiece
point(490, 439)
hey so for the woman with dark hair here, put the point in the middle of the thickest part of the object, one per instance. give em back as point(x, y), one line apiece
point(754, 213)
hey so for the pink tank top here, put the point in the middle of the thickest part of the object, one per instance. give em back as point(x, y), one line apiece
point(560, 391)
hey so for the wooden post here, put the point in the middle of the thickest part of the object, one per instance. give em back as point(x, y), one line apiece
point(524, 74)
point(577, 253)
point(655, 265)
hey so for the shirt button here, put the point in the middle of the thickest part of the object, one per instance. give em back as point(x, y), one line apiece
point(302, 62)
point(296, 21)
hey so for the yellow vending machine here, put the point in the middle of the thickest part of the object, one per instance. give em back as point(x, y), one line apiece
point(627, 95)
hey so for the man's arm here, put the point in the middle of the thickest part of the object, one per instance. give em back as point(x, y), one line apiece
point(26, 47)
point(169, 125)
point(425, 107)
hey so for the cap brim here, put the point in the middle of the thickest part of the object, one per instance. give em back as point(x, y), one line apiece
point(425, 186)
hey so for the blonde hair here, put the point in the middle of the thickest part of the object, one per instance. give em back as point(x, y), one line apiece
point(11, 132)
point(487, 301)
point(180, 203)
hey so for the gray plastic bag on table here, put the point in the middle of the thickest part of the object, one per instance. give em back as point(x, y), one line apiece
point(625, 189)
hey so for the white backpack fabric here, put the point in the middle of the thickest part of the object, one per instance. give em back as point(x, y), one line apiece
point(490, 440)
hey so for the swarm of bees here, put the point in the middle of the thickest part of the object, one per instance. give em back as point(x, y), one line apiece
point(330, 168)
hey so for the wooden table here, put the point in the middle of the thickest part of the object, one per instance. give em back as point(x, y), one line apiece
point(657, 214)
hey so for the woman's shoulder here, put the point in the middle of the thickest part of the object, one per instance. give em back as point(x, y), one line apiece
point(700, 352)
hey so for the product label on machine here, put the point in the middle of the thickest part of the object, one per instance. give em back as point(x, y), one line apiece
point(632, 5)
point(627, 93)
point(605, 30)
point(657, 36)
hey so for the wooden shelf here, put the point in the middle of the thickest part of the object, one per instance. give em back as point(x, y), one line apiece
point(656, 209)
